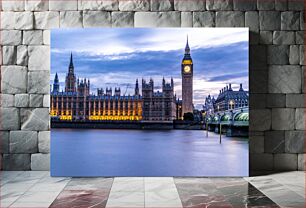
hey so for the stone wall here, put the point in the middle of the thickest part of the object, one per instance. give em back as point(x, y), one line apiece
point(276, 68)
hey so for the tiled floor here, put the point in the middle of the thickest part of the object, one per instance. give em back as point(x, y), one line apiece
point(38, 189)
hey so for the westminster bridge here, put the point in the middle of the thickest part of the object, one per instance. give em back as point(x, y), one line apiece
point(233, 122)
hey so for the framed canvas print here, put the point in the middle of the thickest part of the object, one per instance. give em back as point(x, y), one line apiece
point(149, 102)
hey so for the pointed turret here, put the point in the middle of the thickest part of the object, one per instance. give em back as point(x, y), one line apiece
point(187, 48)
point(136, 88)
point(56, 83)
point(71, 67)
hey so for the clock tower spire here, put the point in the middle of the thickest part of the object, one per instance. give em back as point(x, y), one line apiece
point(187, 81)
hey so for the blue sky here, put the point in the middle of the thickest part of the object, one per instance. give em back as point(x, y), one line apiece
point(112, 57)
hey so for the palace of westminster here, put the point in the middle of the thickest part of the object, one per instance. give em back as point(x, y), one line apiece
point(77, 103)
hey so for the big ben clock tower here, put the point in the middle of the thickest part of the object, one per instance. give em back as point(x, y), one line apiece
point(187, 81)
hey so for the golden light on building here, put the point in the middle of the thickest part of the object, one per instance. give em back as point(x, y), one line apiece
point(186, 62)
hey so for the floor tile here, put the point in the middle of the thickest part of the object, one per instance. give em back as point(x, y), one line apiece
point(163, 198)
point(126, 200)
point(90, 184)
point(81, 199)
point(21, 204)
point(158, 183)
point(128, 184)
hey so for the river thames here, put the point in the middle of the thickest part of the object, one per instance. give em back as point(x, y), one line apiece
point(100, 152)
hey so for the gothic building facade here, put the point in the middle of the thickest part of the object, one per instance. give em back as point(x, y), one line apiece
point(77, 103)
point(228, 99)
point(158, 106)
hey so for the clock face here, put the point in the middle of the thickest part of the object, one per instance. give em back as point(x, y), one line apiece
point(187, 69)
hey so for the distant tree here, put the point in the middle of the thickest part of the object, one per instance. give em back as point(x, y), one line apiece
point(188, 116)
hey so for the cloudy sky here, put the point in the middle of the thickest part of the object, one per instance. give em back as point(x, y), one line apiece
point(117, 57)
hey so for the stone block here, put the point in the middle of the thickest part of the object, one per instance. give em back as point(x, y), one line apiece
point(33, 37)
point(302, 55)
point(46, 20)
point(188, 6)
point(10, 119)
point(23, 142)
point(36, 5)
point(295, 100)
point(16, 162)
point(294, 141)
point(46, 101)
point(63, 5)
point(44, 141)
point(281, 5)
point(98, 5)
point(122, 19)
point(11, 37)
point(258, 80)
point(71, 19)
point(265, 5)
point(275, 141)
point(258, 57)
point(269, 20)
point(283, 118)
point(253, 38)
point(7, 20)
point(22, 55)
point(278, 54)
point(222, 5)
point(134, 5)
point(35, 119)
point(301, 162)
point(40, 162)
point(276, 100)
point(256, 144)
point(259, 161)
point(260, 120)
point(299, 37)
point(36, 100)
point(285, 79)
point(39, 58)
point(38, 82)
point(13, 5)
point(97, 19)
point(303, 79)
point(257, 101)
point(13, 79)
point(203, 19)
point(251, 21)
point(302, 20)
point(162, 5)
point(290, 20)
point(296, 5)
point(24, 20)
point(186, 19)
point(266, 37)
point(294, 54)
point(245, 5)
point(4, 141)
point(46, 37)
point(157, 19)
point(299, 119)
point(285, 162)
point(22, 100)
point(6, 100)
point(9, 54)
point(283, 37)
point(229, 19)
